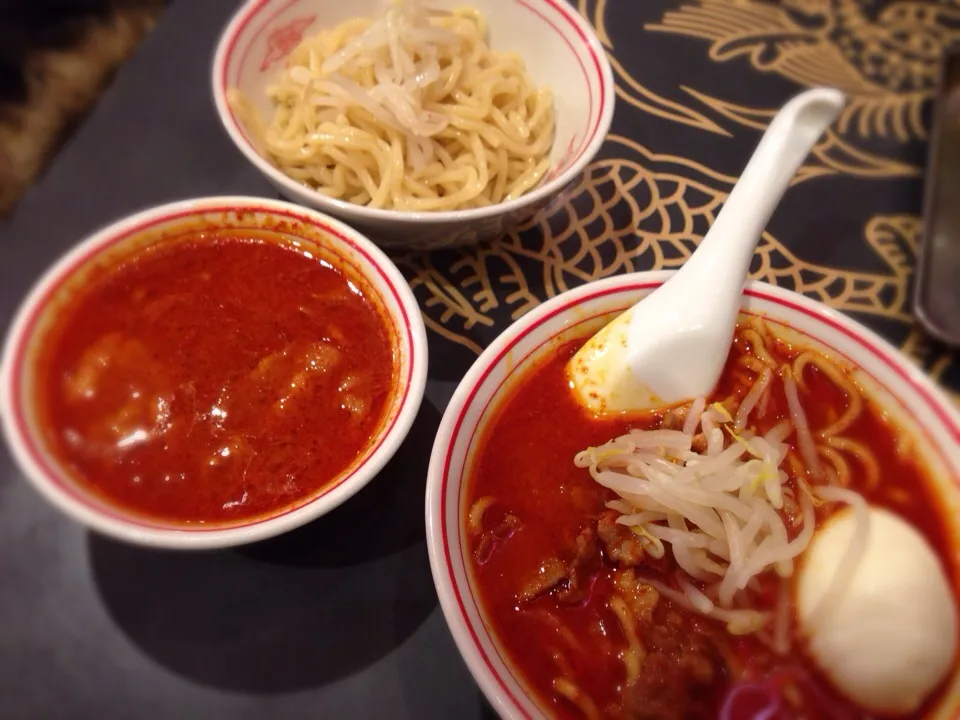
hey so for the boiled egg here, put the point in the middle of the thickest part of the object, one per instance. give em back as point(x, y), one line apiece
point(886, 637)
point(601, 374)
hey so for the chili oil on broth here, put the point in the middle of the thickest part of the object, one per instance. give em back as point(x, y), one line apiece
point(216, 376)
point(529, 506)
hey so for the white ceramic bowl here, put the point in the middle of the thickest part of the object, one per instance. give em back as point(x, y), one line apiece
point(341, 243)
point(559, 48)
point(902, 389)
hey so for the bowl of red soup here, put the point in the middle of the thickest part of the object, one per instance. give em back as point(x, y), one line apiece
point(782, 548)
point(212, 372)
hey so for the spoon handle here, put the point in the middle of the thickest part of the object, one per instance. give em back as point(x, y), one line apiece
point(725, 253)
point(672, 345)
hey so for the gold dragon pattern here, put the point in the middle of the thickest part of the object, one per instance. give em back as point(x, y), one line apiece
point(638, 208)
point(886, 60)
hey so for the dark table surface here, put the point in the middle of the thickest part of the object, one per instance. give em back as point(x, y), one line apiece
point(340, 619)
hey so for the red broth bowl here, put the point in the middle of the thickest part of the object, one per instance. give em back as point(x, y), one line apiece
point(212, 372)
point(507, 660)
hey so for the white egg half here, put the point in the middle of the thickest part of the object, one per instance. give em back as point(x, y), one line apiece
point(601, 375)
point(890, 636)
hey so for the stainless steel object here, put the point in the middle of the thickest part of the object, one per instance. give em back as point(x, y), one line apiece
point(937, 282)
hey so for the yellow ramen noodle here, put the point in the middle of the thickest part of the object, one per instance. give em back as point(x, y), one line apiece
point(411, 111)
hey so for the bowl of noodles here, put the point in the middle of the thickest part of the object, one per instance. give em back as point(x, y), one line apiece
point(424, 124)
point(783, 548)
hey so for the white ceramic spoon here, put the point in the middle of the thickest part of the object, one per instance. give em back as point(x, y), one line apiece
point(672, 345)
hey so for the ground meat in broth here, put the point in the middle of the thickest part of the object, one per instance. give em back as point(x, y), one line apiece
point(570, 578)
point(620, 545)
point(680, 672)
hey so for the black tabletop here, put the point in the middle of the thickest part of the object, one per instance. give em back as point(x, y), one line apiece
point(340, 619)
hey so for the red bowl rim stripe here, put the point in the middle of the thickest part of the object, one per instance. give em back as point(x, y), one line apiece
point(866, 343)
point(105, 507)
point(254, 11)
point(558, 5)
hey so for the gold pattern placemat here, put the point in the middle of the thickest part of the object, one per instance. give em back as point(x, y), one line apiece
point(697, 83)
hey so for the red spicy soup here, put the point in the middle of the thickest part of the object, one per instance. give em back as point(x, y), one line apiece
point(215, 377)
point(560, 582)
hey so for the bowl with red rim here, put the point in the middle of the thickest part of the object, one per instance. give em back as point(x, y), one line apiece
point(129, 240)
point(905, 394)
point(560, 51)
